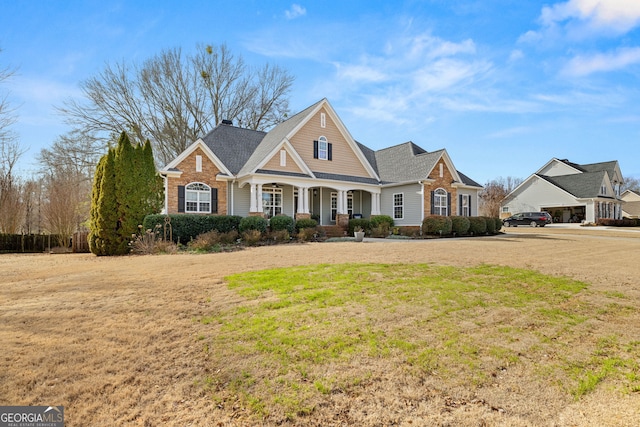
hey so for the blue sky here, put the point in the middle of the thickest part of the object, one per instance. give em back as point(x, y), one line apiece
point(503, 85)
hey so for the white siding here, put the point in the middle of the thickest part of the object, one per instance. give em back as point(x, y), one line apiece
point(537, 194)
point(557, 168)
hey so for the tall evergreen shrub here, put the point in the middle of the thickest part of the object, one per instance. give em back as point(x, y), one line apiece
point(126, 189)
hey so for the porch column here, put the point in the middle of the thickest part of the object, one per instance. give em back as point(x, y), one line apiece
point(345, 204)
point(259, 198)
point(305, 207)
point(339, 208)
point(302, 195)
point(375, 203)
point(253, 206)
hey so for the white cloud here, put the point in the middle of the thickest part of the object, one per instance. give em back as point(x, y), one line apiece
point(427, 46)
point(582, 19)
point(510, 132)
point(583, 65)
point(360, 73)
point(618, 16)
point(516, 55)
point(295, 11)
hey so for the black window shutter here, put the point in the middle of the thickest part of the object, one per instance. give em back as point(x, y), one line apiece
point(214, 200)
point(469, 198)
point(460, 205)
point(433, 201)
point(180, 198)
point(315, 149)
point(330, 151)
point(448, 204)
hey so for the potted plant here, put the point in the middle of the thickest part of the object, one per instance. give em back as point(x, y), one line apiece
point(358, 233)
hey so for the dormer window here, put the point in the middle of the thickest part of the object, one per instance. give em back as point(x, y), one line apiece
point(603, 190)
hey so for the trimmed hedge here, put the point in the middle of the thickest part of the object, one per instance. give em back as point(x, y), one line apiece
point(257, 223)
point(627, 222)
point(498, 222)
point(365, 224)
point(377, 220)
point(460, 225)
point(186, 227)
point(491, 225)
point(437, 225)
point(478, 225)
point(282, 222)
point(301, 224)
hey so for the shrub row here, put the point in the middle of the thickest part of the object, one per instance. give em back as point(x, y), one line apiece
point(627, 222)
point(185, 228)
point(460, 225)
point(379, 225)
point(182, 228)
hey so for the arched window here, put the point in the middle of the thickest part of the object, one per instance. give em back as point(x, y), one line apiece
point(323, 148)
point(198, 198)
point(440, 202)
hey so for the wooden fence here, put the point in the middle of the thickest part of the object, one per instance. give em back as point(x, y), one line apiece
point(34, 243)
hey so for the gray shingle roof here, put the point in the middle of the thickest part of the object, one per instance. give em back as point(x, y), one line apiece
point(468, 181)
point(405, 162)
point(608, 167)
point(242, 150)
point(582, 185)
point(233, 145)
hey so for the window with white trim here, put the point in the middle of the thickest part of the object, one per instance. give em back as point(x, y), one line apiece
point(198, 198)
point(440, 202)
point(323, 148)
point(398, 205)
point(465, 206)
point(334, 204)
point(271, 201)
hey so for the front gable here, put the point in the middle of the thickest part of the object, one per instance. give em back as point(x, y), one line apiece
point(345, 156)
point(443, 171)
point(188, 156)
point(606, 188)
point(284, 158)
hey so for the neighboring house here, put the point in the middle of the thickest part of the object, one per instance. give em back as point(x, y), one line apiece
point(310, 166)
point(631, 208)
point(570, 192)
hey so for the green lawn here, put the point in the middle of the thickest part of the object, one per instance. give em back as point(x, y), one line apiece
point(301, 334)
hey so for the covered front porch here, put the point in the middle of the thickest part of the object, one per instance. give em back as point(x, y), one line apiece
point(328, 204)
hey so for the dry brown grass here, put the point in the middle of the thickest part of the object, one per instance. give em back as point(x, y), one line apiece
point(117, 341)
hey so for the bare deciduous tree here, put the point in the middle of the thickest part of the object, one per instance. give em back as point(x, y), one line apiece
point(66, 205)
point(10, 152)
point(632, 184)
point(173, 99)
point(494, 192)
point(77, 152)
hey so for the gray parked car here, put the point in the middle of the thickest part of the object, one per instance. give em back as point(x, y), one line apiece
point(534, 219)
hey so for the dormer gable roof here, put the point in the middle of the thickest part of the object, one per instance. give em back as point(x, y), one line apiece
point(287, 129)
